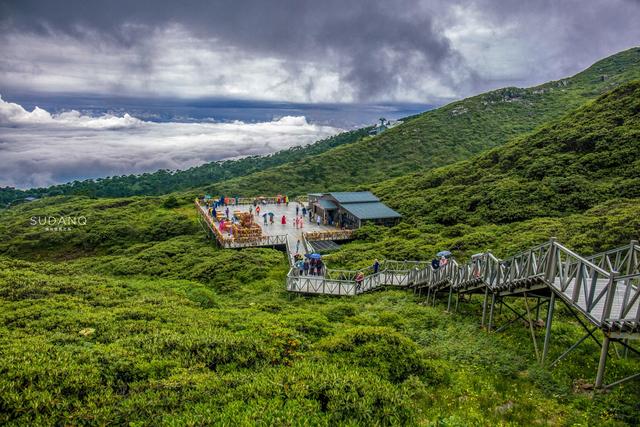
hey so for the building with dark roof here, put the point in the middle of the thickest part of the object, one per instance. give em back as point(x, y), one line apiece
point(352, 209)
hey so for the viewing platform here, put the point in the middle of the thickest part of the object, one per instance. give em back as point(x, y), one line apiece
point(272, 234)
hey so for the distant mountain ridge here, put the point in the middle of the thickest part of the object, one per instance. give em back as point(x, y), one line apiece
point(164, 181)
point(441, 136)
point(432, 139)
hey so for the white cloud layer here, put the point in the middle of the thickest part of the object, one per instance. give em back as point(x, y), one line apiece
point(38, 148)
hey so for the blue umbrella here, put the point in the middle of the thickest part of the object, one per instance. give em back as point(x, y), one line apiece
point(313, 256)
point(443, 253)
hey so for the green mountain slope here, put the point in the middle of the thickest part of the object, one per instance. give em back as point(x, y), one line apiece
point(442, 136)
point(136, 319)
point(163, 181)
point(576, 178)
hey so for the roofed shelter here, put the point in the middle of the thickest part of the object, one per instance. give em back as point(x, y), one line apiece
point(352, 209)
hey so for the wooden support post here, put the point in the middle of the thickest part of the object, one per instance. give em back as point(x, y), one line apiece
point(493, 303)
point(484, 306)
point(550, 273)
point(530, 321)
point(450, 297)
point(457, 300)
point(537, 309)
point(547, 332)
point(603, 362)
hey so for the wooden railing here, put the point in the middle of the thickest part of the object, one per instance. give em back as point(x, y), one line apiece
point(225, 241)
point(328, 235)
point(237, 201)
point(605, 297)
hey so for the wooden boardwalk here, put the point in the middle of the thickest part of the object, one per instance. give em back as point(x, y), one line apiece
point(273, 235)
point(603, 288)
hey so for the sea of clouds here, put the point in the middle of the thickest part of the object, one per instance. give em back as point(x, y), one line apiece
point(38, 148)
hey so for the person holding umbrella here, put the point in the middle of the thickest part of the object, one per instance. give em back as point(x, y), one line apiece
point(444, 258)
point(264, 216)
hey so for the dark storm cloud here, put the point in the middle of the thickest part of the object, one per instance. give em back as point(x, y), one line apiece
point(380, 49)
point(373, 41)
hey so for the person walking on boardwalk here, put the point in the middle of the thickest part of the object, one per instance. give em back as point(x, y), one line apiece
point(297, 244)
point(304, 211)
point(300, 266)
point(265, 219)
point(284, 220)
point(257, 210)
point(359, 279)
point(297, 210)
point(301, 222)
point(376, 266)
point(318, 219)
point(305, 267)
point(226, 211)
point(319, 265)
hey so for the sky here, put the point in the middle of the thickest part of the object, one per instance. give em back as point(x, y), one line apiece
point(272, 74)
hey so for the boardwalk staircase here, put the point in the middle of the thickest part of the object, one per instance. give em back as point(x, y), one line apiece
point(603, 288)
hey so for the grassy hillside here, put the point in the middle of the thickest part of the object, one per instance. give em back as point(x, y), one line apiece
point(136, 319)
point(163, 182)
point(577, 178)
point(442, 136)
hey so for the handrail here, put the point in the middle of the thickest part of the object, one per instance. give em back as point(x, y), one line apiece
point(604, 287)
point(589, 288)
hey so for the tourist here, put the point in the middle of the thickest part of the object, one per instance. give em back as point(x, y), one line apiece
point(271, 219)
point(226, 211)
point(359, 279)
point(284, 220)
point(250, 210)
point(376, 266)
point(297, 210)
point(300, 266)
point(265, 219)
point(443, 261)
point(304, 211)
point(318, 219)
point(286, 200)
point(319, 266)
point(257, 210)
point(435, 263)
point(297, 243)
point(305, 267)
point(301, 222)
point(475, 271)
